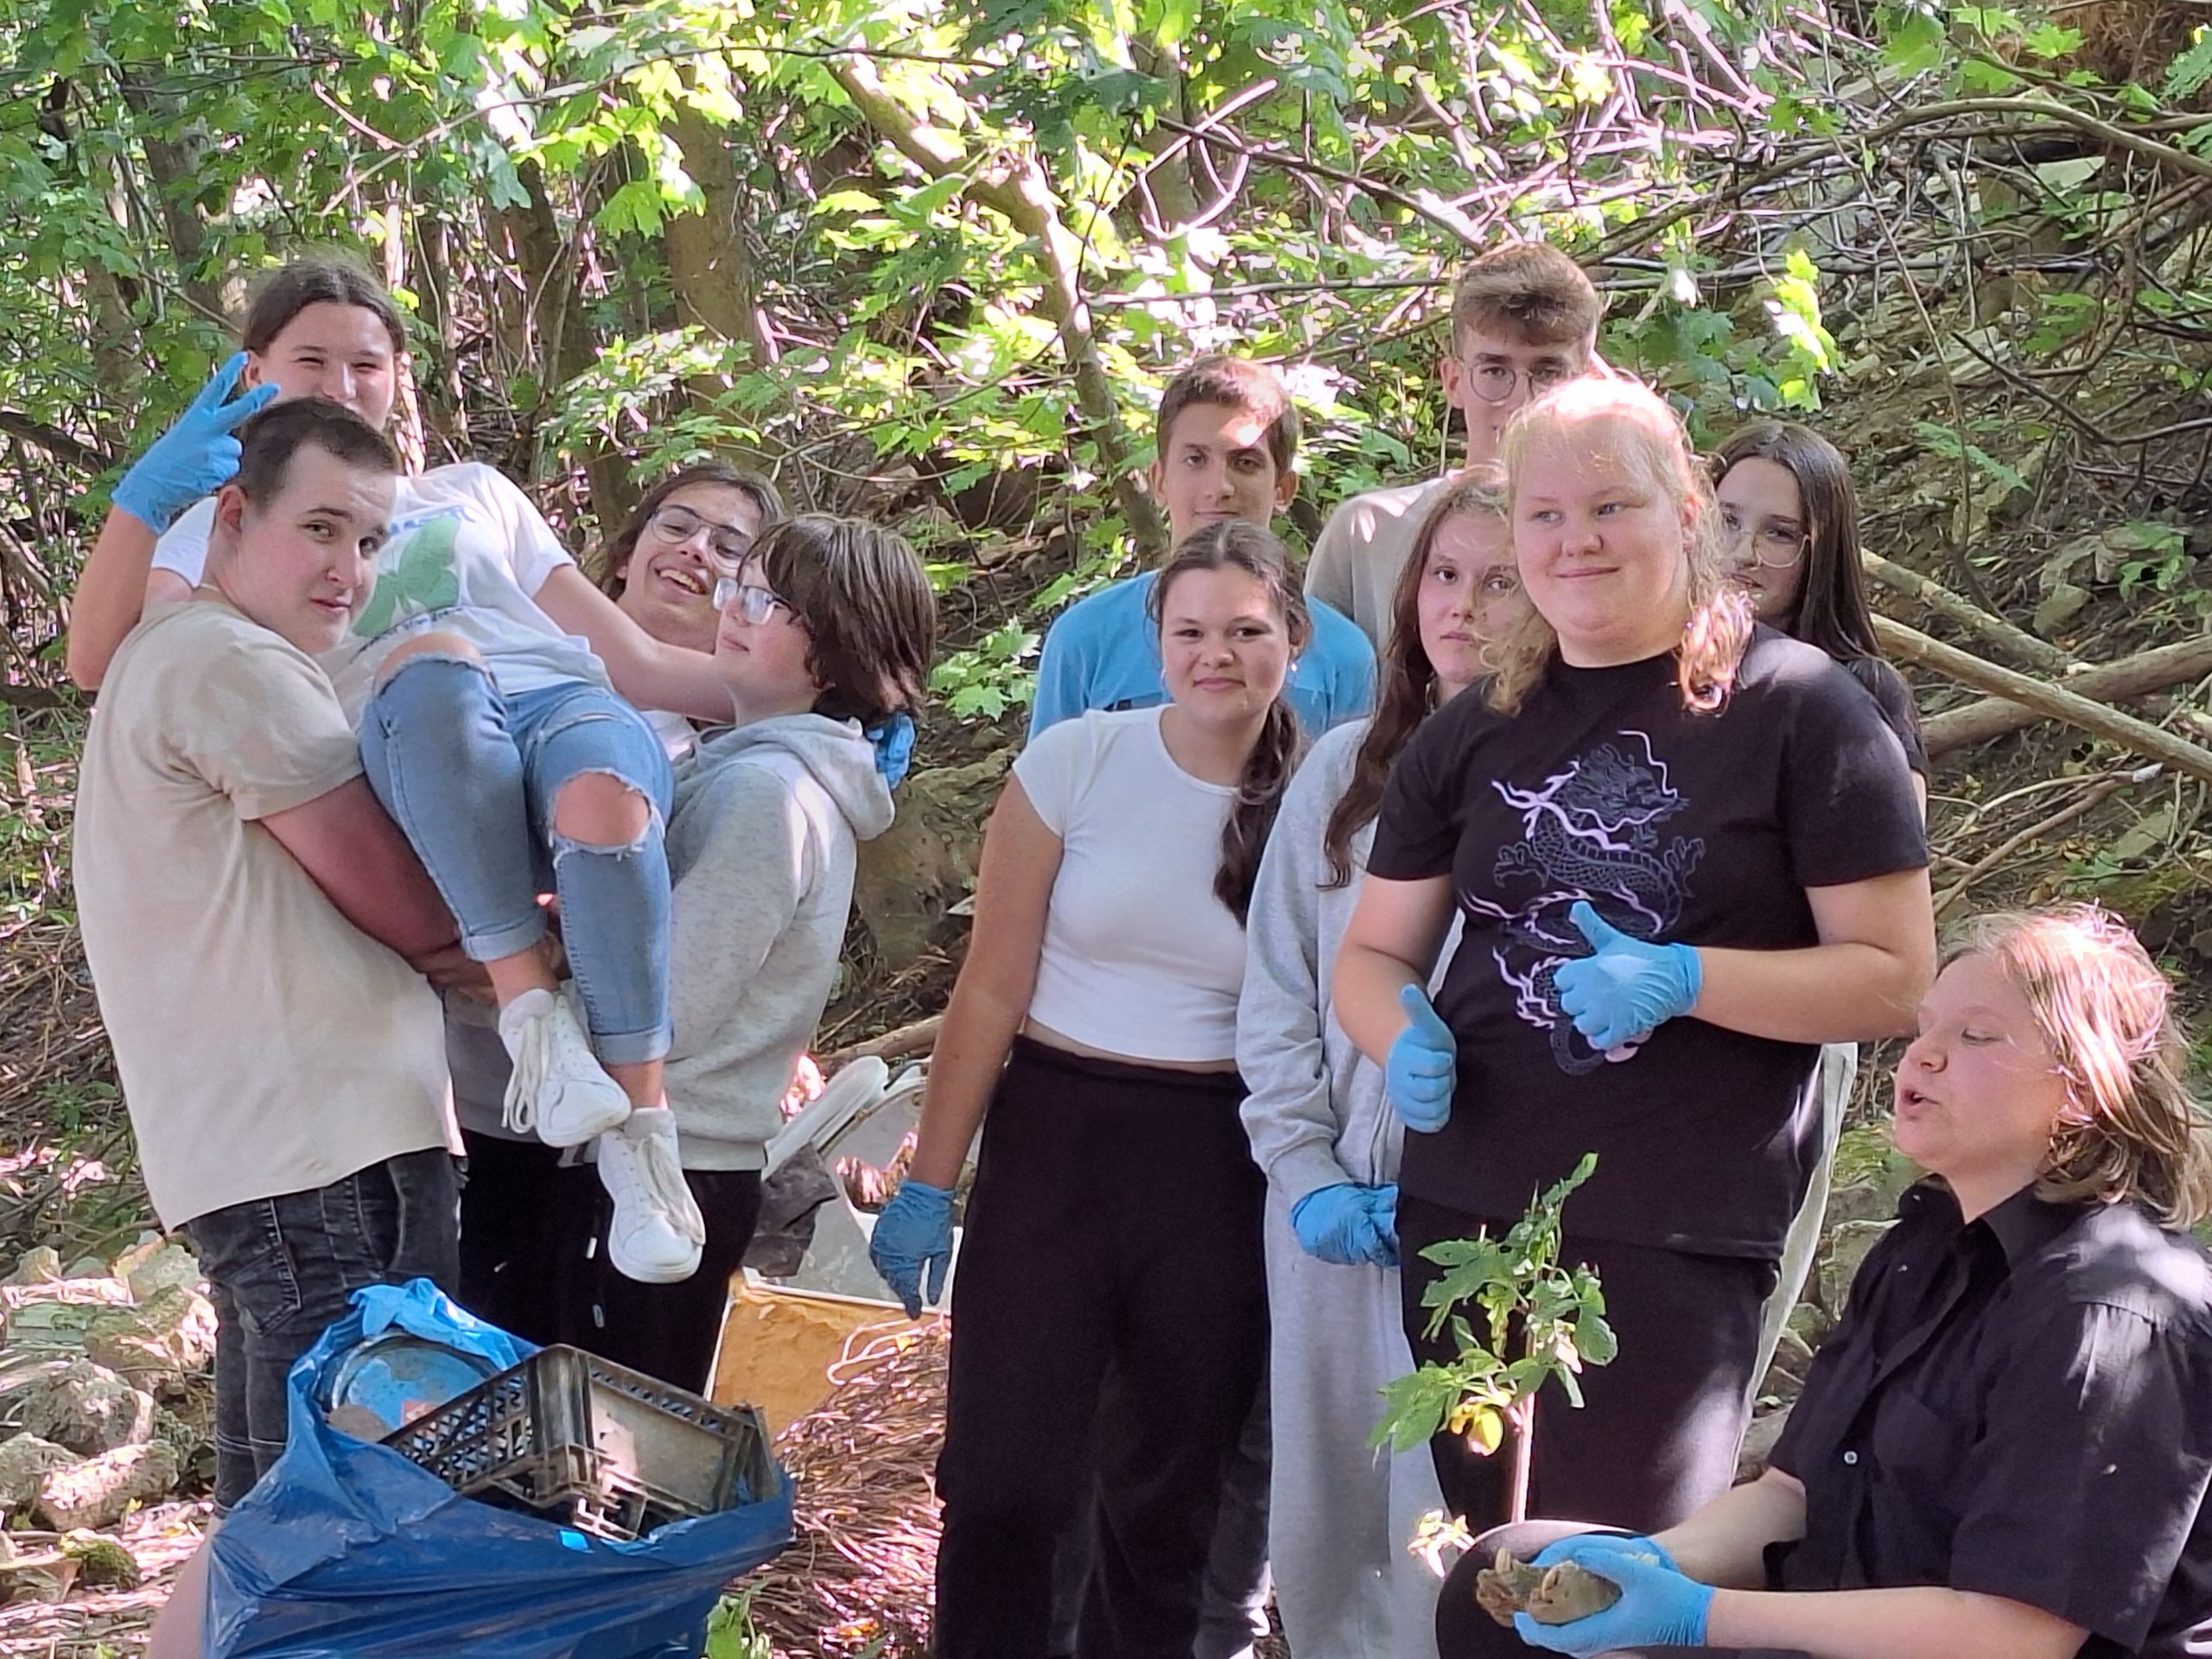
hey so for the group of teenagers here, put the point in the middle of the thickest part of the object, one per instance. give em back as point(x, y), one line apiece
point(1562, 805)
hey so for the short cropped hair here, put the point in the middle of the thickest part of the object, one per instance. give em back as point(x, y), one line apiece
point(269, 441)
point(330, 278)
point(1528, 291)
point(870, 614)
point(1237, 383)
point(766, 499)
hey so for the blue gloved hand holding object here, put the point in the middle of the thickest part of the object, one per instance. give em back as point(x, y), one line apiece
point(1626, 987)
point(913, 1235)
point(1658, 1608)
point(1419, 1075)
point(1592, 1544)
point(195, 457)
point(1382, 1206)
point(1337, 1225)
point(895, 747)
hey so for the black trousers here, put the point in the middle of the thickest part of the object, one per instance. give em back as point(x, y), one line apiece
point(1464, 1631)
point(1660, 1428)
point(1114, 1230)
point(664, 1330)
point(533, 1260)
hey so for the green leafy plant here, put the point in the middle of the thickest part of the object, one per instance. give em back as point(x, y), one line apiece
point(1553, 1315)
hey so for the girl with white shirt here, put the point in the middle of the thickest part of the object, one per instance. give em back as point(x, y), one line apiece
point(1115, 1222)
point(1340, 1513)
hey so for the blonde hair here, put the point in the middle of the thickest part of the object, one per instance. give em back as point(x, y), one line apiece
point(1643, 432)
point(2131, 1129)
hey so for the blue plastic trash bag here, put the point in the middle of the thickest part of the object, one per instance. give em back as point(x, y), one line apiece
point(346, 1550)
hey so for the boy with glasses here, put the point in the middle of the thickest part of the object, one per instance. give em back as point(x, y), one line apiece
point(1524, 319)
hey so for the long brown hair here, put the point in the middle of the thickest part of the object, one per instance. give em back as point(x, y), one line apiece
point(2131, 1130)
point(1654, 444)
point(1233, 544)
point(1831, 611)
point(1409, 678)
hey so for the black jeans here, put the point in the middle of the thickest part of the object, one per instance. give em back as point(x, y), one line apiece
point(1464, 1631)
point(511, 1198)
point(1114, 1230)
point(1660, 1426)
point(281, 1269)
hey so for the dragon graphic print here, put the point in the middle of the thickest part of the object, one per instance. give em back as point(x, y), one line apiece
point(1593, 831)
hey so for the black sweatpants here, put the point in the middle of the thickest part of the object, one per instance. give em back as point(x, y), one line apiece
point(1464, 1631)
point(664, 1330)
point(1660, 1427)
point(1114, 1229)
point(510, 1226)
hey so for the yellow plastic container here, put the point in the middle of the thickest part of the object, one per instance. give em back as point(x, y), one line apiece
point(779, 1344)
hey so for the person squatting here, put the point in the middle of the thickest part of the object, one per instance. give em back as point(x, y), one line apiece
point(1562, 803)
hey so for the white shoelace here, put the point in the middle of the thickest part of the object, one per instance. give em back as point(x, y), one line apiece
point(663, 1171)
point(519, 1110)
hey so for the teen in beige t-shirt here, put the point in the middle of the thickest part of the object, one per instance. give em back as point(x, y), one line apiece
point(266, 1045)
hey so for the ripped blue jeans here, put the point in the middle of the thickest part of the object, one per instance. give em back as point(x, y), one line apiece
point(471, 774)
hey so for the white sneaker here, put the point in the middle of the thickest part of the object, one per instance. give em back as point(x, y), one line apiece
point(657, 1230)
point(558, 1087)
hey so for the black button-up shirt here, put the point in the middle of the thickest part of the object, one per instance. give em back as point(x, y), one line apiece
point(2020, 1406)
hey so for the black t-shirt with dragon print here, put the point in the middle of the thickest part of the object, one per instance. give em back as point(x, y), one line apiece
point(1705, 828)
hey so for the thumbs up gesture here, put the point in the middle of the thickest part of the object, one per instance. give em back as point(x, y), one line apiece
point(1627, 987)
point(1423, 1062)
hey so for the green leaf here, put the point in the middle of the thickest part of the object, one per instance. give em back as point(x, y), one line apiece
point(1595, 1341)
point(2187, 75)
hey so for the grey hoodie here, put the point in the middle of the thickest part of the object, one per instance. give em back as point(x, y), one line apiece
point(761, 848)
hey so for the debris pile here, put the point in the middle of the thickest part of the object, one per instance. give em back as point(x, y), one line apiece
point(106, 1407)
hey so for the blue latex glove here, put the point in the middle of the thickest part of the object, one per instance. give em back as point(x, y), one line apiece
point(913, 1235)
point(895, 747)
point(1658, 1608)
point(1420, 1070)
point(1626, 987)
point(195, 457)
point(1337, 1225)
point(1382, 1206)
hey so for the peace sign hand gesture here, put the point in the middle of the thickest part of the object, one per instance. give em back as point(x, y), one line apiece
point(196, 456)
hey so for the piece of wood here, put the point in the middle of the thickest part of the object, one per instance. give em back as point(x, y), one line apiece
point(917, 1039)
point(2015, 642)
point(2049, 701)
point(2131, 677)
point(2034, 832)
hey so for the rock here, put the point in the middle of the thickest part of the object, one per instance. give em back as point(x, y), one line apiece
point(1785, 1377)
point(910, 876)
point(102, 1563)
point(1841, 1252)
point(99, 1490)
point(1809, 1325)
point(1861, 1201)
point(85, 1407)
point(1758, 1443)
point(158, 1343)
point(25, 1460)
point(156, 1264)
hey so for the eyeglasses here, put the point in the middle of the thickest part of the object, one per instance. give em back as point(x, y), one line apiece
point(674, 526)
point(755, 604)
point(1777, 543)
point(1494, 382)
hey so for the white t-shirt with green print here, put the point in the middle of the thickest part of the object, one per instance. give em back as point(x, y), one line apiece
point(467, 553)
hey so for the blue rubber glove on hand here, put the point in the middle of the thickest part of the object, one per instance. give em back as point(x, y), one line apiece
point(895, 747)
point(1658, 1608)
point(1420, 1072)
point(1592, 1544)
point(195, 457)
point(913, 1235)
point(1337, 1225)
point(1626, 987)
point(1382, 1206)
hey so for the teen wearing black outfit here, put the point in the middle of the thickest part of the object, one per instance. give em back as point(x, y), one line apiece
point(1644, 767)
point(1114, 1225)
point(2003, 1449)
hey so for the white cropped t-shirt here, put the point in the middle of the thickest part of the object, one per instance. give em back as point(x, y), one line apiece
point(1140, 957)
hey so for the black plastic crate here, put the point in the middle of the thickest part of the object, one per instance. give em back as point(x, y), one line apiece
point(597, 1445)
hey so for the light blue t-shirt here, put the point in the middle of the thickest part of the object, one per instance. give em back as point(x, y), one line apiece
point(1103, 653)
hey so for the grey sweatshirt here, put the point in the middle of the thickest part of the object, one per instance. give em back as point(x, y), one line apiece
point(761, 847)
point(1339, 1515)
